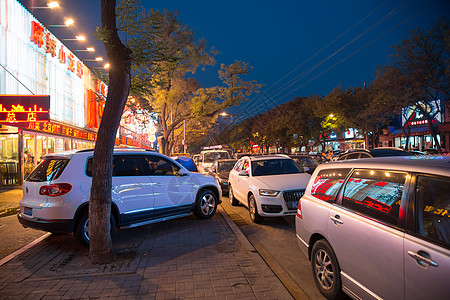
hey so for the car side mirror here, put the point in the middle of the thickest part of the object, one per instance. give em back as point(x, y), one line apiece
point(243, 173)
point(182, 172)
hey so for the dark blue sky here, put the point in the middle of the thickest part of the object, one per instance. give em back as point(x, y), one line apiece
point(296, 48)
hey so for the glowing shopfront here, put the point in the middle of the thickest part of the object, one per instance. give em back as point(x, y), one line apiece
point(34, 62)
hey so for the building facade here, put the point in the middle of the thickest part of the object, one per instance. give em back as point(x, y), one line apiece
point(34, 62)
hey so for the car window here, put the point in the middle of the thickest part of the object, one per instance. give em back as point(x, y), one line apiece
point(375, 193)
point(433, 203)
point(327, 184)
point(239, 165)
point(48, 169)
point(127, 165)
point(225, 166)
point(159, 166)
point(212, 156)
point(364, 155)
point(352, 156)
point(274, 167)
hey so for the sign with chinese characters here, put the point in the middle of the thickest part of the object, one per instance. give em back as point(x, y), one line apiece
point(60, 129)
point(19, 109)
point(46, 40)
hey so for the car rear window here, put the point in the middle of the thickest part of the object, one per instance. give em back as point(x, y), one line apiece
point(48, 169)
point(375, 193)
point(327, 184)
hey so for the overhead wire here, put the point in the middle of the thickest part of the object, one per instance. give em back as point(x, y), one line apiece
point(317, 53)
point(389, 15)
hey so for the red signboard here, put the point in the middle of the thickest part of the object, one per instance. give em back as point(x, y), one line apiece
point(19, 109)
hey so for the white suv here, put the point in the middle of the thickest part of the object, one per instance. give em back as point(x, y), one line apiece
point(269, 185)
point(378, 228)
point(147, 187)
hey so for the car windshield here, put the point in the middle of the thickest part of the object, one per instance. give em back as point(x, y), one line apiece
point(225, 166)
point(213, 156)
point(306, 162)
point(274, 167)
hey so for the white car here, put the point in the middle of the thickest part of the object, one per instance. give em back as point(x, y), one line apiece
point(378, 228)
point(147, 187)
point(208, 157)
point(270, 185)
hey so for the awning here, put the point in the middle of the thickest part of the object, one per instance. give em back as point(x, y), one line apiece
point(417, 130)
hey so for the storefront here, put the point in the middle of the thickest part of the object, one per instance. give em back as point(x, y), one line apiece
point(34, 62)
point(415, 132)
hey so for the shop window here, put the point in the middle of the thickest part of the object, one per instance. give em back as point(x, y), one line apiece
point(28, 153)
point(327, 184)
point(375, 193)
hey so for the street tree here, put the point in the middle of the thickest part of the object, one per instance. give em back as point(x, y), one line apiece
point(119, 86)
point(174, 107)
point(418, 73)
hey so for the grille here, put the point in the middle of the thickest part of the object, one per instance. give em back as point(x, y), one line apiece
point(291, 198)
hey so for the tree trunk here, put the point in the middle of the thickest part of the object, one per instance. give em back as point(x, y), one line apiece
point(118, 90)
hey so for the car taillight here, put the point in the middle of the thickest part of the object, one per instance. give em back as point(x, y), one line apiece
point(299, 209)
point(54, 190)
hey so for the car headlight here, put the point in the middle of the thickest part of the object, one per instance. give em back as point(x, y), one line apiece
point(270, 193)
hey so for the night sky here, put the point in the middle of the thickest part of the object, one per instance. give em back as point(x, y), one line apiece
point(296, 48)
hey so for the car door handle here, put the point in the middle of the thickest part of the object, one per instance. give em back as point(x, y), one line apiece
point(158, 184)
point(423, 258)
point(337, 219)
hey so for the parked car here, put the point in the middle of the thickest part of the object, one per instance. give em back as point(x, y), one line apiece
point(374, 152)
point(186, 162)
point(207, 158)
point(306, 162)
point(239, 155)
point(378, 228)
point(147, 187)
point(270, 185)
point(220, 170)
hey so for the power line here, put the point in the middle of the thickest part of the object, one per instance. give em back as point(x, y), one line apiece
point(392, 13)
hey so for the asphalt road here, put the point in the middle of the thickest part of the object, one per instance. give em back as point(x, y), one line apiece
point(13, 236)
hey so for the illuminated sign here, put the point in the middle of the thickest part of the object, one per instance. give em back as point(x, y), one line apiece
point(19, 109)
point(413, 115)
point(37, 37)
point(60, 129)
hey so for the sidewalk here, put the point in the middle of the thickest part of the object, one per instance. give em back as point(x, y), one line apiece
point(9, 199)
point(186, 258)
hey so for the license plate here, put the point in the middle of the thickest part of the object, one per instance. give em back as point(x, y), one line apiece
point(28, 211)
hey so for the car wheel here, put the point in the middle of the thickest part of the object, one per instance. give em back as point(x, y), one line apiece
point(233, 200)
point(253, 210)
point(82, 228)
point(326, 270)
point(206, 205)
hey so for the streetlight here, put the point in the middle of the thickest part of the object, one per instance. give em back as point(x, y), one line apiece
point(67, 23)
point(50, 5)
point(88, 49)
point(77, 38)
point(98, 58)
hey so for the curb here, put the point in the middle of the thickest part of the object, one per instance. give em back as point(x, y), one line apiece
point(9, 212)
point(254, 254)
point(23, 249)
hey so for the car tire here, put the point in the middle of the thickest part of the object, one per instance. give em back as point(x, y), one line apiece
point(233, 200)
point(325, 269)
point(253, 210)
point(81, 232)
point(206, 204)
